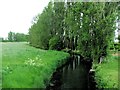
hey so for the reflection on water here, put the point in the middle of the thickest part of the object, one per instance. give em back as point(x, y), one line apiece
point(74, 75)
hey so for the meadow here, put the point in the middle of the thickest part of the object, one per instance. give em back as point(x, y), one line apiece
point(24, 66)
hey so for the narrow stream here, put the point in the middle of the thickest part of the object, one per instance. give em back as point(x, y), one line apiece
point(73, 75)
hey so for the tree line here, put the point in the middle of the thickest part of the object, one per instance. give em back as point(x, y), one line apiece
point(15, 37)
point(87, 27)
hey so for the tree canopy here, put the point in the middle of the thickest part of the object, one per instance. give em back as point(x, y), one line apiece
point(85, 26)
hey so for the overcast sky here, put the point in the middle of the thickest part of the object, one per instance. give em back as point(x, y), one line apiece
point(16, 15)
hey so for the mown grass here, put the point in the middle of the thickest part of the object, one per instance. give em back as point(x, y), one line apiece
point(107, 73)
point(24, 66)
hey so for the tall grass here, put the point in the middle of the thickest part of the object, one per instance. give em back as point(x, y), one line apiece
point(107, 73)
point(27, 67)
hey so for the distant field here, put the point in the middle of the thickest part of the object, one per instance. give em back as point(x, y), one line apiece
point(24, 66)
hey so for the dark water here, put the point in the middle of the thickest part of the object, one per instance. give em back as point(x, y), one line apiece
point(72, 76)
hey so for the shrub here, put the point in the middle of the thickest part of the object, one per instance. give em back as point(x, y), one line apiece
point(55, 43)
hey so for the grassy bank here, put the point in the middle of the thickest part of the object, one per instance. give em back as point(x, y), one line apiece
point(24, 66)
point(107, 73)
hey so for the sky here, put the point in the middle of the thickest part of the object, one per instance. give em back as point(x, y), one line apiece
point(16, 15)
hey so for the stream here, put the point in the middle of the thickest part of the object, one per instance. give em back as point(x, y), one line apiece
point(73, 75)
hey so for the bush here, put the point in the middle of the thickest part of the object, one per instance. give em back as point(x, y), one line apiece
point(117, 46)
point(55, 43)
point(119, 38)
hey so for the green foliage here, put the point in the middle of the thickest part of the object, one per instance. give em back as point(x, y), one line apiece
point(119, 38)
point(117, 46)
point(55, 43)
point(11, 36)
point(87, 27)
point(40, 31)
point(17, 37)
point(28, 67)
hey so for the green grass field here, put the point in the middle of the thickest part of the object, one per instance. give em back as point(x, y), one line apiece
point(107, 72)
point(24, 66)
point(0, 65)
